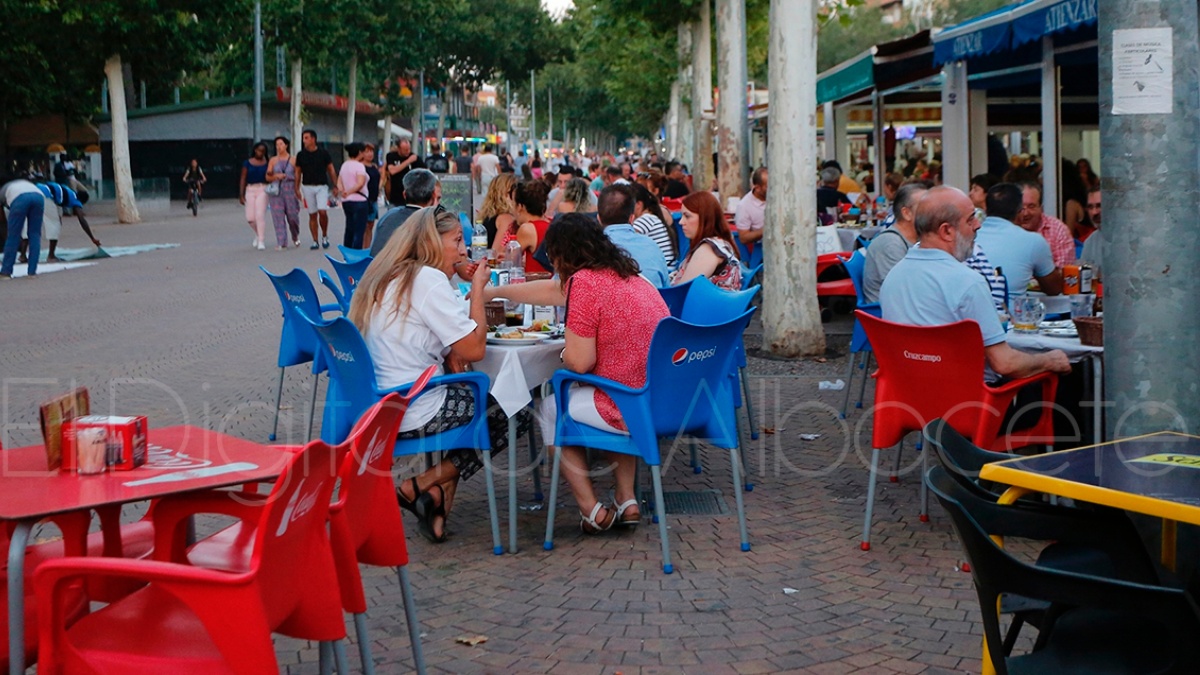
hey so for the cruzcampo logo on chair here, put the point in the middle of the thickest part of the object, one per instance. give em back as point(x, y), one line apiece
point(293, 297)
point(683, 355)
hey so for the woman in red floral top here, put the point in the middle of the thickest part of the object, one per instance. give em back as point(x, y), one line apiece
point(712, 253)
point(612, 313)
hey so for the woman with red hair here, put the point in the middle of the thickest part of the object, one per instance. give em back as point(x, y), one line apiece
point(712, 253)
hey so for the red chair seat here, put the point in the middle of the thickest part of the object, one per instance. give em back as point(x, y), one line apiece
point(841, 287)
point(171, 639)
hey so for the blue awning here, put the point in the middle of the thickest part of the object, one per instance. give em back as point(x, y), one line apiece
point(977, 37)
point(1034, 20)
point(1010, 27)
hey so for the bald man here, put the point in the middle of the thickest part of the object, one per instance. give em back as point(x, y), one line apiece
point(931, 286)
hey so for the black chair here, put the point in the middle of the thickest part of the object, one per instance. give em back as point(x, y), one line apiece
point(1102, 625)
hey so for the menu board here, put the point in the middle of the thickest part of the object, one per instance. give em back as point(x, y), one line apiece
point(53, 413)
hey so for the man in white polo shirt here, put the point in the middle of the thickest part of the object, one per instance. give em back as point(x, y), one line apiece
point(751, 212)
point(932, 287)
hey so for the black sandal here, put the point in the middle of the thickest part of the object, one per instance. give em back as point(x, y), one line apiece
point(427, 511)
point(407, 504)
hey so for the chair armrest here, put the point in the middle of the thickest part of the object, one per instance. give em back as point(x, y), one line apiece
point(631, 403)
point(478, 382)
point(1009, 389)
point(170, 513)
point(329, 283)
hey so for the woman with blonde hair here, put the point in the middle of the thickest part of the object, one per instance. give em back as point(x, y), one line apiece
point(410, 317)
point(497, 210)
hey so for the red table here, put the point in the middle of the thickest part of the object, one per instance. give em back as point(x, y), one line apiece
point(180, 459)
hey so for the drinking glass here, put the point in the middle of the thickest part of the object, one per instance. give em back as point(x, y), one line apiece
point(1027, 313)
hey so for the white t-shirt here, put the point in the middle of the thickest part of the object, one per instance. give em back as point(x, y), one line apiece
point(489, 168)
point(751, 213)
point(404, 347)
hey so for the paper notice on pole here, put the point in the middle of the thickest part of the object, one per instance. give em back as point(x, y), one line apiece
point(1143, 76)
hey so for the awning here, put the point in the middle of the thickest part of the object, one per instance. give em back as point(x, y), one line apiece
point(1008, 28)
point(846, 78)
point(1034, 20)
point(983, 35)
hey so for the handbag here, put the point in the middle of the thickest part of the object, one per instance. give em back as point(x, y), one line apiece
point(272, 188)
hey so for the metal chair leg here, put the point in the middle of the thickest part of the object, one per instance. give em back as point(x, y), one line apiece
point(924, 515)
point(862, 387)
point(312, 406)
point(894, 476)
point(660, 511)
point(364, 644)
point(410, 614)
point(536, 465)
point(278, 401)
point(555, 467)
point(866, 535)
point(325, 651)
point(749, 404)
point(849, 380)
point(697, 467)
point(737, 493)
point(339, 657)
point(497, 547)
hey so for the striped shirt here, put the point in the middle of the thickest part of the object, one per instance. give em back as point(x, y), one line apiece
point(652, 226)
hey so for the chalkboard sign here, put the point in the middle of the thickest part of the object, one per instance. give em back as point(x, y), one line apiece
point(457, 193)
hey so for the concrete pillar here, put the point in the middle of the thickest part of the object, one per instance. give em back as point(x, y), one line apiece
point(1050, 128)
point(841, 137)
point(878, 160)
point(790, 314)
point(828, 152)
point(732, 131)
point(1151, 242)
point(956, 125)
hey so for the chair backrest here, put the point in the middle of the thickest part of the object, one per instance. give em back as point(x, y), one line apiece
point(365, 525)
point(749, 273)
point(708, 304)
point(925, 372)
point(297, 343)
point(675, 296)
point(349, 274)
point(353, 255)
point(292, 557)
point(352, 386)
point(854, 267)
point(687, 369)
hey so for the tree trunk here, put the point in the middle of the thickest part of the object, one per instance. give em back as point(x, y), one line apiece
point(685, 132)
point(352, 99)
point(127, 211)
point(790, 314)
point(387, 137)
point(297, 93)
point(673, 121)
point(441, 128)
point(731, 81)
point(702, 169)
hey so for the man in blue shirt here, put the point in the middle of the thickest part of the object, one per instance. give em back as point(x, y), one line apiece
point(932, 287)
point(1020, 254)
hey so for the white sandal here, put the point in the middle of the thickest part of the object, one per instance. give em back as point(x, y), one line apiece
point(589, 521)
point(621, 509)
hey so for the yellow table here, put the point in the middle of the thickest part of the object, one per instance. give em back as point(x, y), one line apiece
point(1156, 474)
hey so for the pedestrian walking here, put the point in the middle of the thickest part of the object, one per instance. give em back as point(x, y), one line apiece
point(282, 200)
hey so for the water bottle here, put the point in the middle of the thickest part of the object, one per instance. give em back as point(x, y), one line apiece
point(479, 247)
point(514, 261)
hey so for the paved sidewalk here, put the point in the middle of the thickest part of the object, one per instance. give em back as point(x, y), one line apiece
point(190, 334)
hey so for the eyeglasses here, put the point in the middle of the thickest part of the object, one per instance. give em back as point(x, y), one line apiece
point(980, 214)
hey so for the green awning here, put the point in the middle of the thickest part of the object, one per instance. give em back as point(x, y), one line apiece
point(847, 78)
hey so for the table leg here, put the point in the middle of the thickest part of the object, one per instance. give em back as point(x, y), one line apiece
point(16, 597)
point(512, 484)
point(1097, 399)
point(1168, 544)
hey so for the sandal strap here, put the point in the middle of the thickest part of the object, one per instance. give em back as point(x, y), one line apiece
point(623, 506)
point(590, 519)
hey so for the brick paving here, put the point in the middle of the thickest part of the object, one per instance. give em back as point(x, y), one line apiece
point(189, 335)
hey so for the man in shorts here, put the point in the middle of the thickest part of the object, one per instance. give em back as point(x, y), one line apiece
point(314, 174)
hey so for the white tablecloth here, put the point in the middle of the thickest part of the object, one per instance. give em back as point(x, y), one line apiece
point(1037, 342)
point(848, 235)
point(516, 369)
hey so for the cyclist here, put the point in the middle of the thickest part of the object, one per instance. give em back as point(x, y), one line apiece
point(194, 177)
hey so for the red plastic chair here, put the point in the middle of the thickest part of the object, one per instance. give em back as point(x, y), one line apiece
point(73, 526)
point(365, 520)
point(927, 372)
point(193, 620)
point(838, 288)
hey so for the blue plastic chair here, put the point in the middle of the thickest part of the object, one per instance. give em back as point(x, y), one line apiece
point(674, 296)
point(706, 304)
point(297, 343)
point(859, 344)
point(348, 274)
point(748, 274)
point(353, 389)
point(661, 408)
point(685, 244)
point(749, 259)
point(353, 255)
point(467, 226)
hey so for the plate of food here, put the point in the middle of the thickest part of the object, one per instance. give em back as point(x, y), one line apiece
point(1057, 324)
point(516, 337)
point(1061, 332)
